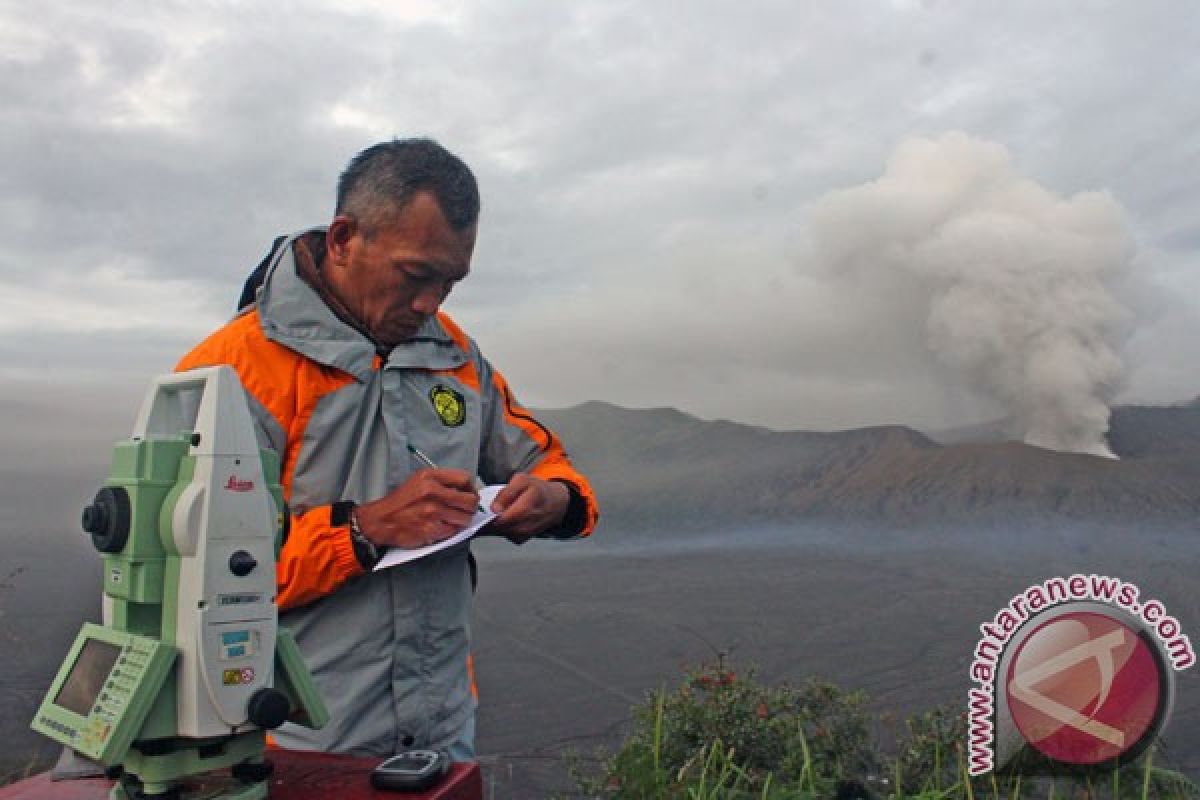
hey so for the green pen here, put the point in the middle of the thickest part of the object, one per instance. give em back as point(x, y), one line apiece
point(427, 461)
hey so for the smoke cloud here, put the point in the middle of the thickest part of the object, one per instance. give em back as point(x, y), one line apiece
point(1014, 283)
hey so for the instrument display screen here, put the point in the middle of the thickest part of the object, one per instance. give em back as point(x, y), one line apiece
point(81, 688)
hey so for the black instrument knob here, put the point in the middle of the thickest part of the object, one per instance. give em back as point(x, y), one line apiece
point(268, 708)
point(107, 519)
point(242, 563)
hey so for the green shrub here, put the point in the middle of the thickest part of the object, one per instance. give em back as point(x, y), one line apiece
point(781, 739)
point(722, 735)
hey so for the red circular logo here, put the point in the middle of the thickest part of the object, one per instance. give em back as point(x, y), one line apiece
point(1085, 688)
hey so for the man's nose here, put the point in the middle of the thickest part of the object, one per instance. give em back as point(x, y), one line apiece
point(428, 301)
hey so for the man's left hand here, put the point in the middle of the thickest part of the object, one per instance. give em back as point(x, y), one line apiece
point(527, 506)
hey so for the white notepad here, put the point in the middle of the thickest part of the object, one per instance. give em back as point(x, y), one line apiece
point(398, 555)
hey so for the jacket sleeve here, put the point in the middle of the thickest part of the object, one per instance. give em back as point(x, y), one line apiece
point(316, 559)
point(318, 555)
point(514, 441)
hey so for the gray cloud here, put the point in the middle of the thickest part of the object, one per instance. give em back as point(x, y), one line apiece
point(646, 176)
point(1015, 284)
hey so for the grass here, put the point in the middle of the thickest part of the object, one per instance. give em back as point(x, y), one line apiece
point(723, 736)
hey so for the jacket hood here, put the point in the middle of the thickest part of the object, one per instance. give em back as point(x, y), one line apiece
point(293, 314)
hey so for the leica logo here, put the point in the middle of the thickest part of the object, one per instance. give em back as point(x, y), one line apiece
point(236, 484)
point(1084, 688)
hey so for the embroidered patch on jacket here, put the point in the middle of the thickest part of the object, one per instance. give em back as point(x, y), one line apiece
point(449, 405)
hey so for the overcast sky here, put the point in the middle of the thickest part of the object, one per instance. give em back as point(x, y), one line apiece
point(654, 178)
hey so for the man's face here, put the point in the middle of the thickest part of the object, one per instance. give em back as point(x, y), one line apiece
point(395, 279)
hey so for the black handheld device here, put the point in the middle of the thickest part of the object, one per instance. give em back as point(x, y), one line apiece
point(411, 771)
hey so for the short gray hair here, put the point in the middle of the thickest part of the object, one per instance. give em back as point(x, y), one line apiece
point(381, 180)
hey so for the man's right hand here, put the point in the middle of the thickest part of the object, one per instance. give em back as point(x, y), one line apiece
point(432, 505)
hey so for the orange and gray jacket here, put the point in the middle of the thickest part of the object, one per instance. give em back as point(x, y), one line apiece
point(388, 649)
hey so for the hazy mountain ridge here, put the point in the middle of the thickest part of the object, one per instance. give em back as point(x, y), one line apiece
point(656, 465)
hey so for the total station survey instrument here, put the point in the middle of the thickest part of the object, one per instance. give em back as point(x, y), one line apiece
point(190, 666)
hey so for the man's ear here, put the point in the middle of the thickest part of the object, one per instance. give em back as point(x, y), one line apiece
point(339, 239)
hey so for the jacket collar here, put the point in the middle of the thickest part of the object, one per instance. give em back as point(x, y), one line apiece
point(293, 314)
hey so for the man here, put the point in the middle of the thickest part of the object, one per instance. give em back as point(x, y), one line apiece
point(349, 368)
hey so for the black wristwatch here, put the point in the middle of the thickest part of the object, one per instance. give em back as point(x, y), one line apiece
point(367, 552)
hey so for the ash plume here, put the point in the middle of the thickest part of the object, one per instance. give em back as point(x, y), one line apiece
point(1013, 282)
